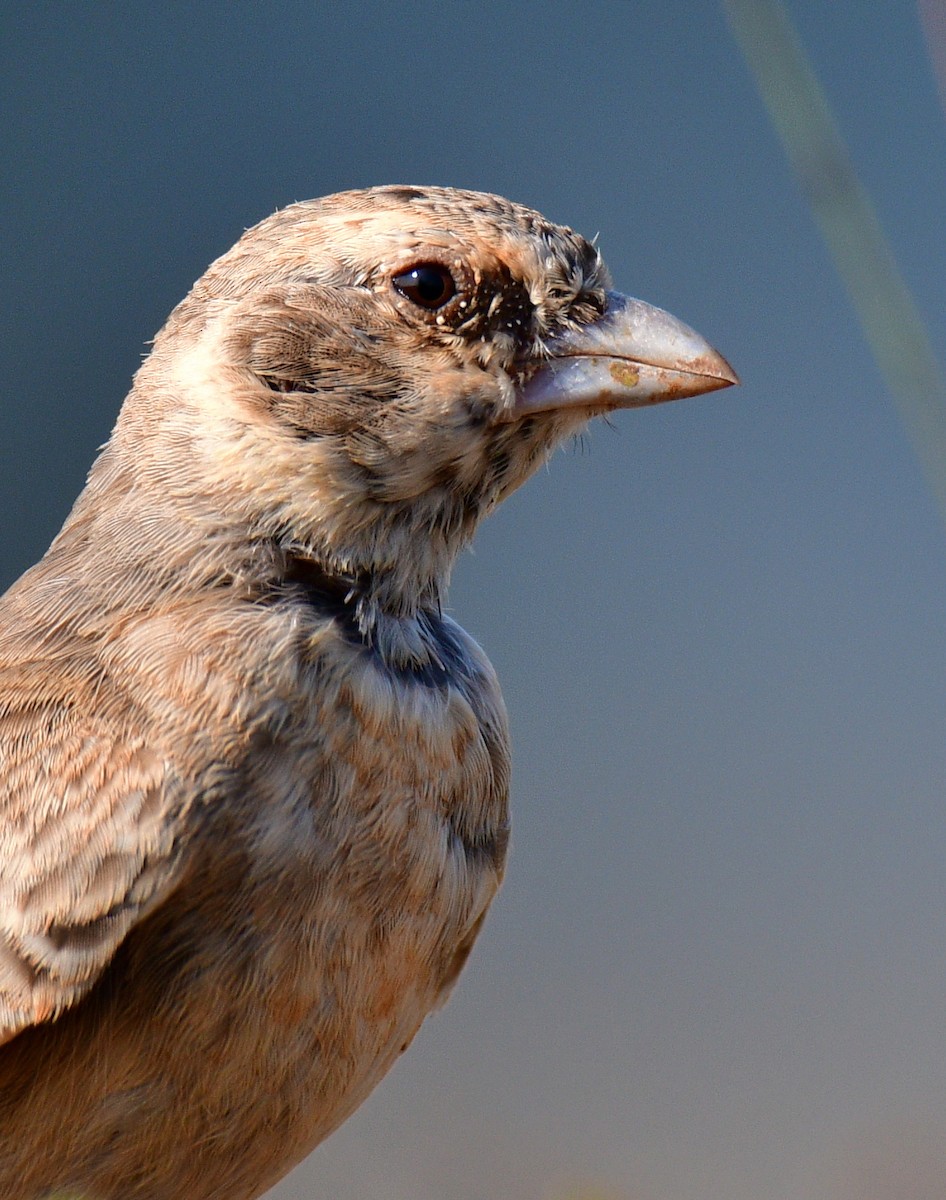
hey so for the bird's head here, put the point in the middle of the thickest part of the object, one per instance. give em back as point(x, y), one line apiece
point(361, 378)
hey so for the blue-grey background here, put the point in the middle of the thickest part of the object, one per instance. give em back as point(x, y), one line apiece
point(718, 967)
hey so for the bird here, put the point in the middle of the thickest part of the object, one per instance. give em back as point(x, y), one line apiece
point(253, 777)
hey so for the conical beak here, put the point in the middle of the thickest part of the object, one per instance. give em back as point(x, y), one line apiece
point(631, 356)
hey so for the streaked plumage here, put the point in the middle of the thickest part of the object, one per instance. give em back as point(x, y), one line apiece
point(253, 782)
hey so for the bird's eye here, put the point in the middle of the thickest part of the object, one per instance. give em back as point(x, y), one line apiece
point(428, 285)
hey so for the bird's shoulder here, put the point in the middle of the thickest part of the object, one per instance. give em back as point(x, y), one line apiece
point(90, 834)
point(127, 736)
point(113, 738)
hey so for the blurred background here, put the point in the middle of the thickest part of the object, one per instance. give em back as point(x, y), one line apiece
point(718, 968)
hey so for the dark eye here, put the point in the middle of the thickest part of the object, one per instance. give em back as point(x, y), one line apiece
point(429, 285)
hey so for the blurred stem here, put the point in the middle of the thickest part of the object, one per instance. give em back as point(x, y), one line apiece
point(933, 20)
point(888, 315)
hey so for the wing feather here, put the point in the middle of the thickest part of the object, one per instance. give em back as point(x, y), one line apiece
point(87, 846)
